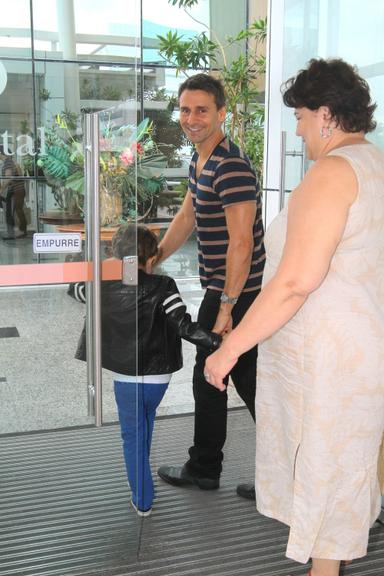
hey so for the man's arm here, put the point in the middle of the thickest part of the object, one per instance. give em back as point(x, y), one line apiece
point(179, 230)
point(240, 220)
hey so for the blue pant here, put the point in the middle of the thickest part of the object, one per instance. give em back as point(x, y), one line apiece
point(136, 404)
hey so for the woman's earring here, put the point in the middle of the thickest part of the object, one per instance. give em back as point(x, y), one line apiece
point(326, 132)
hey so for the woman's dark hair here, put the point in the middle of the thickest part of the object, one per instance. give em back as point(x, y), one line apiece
point(206, 83)
point(337, 85)
point(131, 239)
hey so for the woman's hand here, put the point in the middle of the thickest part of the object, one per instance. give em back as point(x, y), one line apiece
point(217, 366)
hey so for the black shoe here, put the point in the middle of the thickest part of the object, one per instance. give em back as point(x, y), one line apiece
point(246, 491)
point(179, 476)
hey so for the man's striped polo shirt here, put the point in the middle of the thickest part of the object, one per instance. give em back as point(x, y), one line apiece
point(227, 178)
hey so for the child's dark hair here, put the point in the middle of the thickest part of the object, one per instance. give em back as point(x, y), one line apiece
point(206, 83)
point(131, 239)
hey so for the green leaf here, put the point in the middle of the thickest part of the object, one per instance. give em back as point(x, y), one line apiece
point(56, 162)
point(76, 182)
point(183, 3)
point(156, 160)
point(137, 134)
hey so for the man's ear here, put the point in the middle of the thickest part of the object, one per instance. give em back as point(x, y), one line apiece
point(222, 113)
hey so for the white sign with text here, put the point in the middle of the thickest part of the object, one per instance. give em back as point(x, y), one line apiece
point(55, 242)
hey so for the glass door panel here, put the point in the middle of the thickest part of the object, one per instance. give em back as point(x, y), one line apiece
point(42, 386)
point(301, 30)
point(119, 147)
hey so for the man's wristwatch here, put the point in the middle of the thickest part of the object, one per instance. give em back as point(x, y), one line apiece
point(227, 299)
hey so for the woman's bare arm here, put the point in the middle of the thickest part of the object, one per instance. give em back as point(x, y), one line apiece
point(317, 215)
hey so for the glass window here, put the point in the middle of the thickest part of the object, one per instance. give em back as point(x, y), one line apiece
point(16, 103)
point(368, 56)
point(324, 29)
point(17, 142)
point(64, 93)
point(86, 30)
point(15, 30)
point(159, 17)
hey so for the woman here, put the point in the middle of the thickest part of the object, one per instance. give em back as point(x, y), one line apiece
point(320, 321)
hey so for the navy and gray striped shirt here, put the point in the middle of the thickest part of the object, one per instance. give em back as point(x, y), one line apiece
point(227, 178)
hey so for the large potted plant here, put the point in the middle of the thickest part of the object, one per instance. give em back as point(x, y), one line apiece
point(130, 169)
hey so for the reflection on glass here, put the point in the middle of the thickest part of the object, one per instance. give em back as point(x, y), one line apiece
point(41, 115)
point(322, 29)
point(131, 167)
point(86, 29)
point(157, 16)
point(18, 198)
point(15, 32)
point(44, 386)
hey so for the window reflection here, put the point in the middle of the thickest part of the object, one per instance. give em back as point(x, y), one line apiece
point(86, 58)
point(91, 29)
point(167, 17)
point(15, 30)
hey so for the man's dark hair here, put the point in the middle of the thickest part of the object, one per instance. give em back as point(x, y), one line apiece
point(206, 83)
point(131, 239)
point(337, 85)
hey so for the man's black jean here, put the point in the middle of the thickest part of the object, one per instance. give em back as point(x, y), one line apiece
point(206, 454)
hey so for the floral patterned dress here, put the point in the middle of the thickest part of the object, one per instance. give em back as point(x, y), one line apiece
point(320, 390)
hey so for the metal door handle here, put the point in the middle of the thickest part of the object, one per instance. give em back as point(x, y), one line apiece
point(92, 222)
point(283, 151)
point(283, 155)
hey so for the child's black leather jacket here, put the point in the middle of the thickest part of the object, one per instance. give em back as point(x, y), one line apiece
point(142, 326)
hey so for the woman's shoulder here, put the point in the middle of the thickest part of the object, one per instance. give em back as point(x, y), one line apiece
point(357, 151)
point(330, 176)
point(330, 166)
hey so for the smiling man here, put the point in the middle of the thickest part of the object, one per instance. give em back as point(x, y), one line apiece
point(223, 203)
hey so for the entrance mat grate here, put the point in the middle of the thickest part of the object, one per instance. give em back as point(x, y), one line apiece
point(9, 332)
point(64, 511)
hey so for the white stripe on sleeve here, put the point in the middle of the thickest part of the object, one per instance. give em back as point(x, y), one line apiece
point(168, 310)
point(170, 298)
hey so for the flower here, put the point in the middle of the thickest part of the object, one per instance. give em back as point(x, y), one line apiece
point(127, 157)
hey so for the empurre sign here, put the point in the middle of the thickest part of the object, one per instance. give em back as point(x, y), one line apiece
point(55, 242)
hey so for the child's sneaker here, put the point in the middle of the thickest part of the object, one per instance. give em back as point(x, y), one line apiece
point(141, 512)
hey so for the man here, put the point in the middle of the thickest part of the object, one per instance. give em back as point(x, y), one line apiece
point(12, 194)
point(223, 203)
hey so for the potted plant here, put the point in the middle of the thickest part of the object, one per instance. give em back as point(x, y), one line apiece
point(130, 174)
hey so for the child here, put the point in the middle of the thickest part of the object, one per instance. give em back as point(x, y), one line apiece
point(141, 330)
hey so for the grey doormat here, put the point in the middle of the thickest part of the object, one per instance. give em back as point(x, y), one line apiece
point(64, 511)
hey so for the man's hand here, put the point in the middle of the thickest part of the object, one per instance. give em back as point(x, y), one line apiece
point(223, 324)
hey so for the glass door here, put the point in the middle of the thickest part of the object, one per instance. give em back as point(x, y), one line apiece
point(119, 153)
point(50, 278)
point(42, 386)
point(301, 30)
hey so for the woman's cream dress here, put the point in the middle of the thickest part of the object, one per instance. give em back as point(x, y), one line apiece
point(320, 389)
